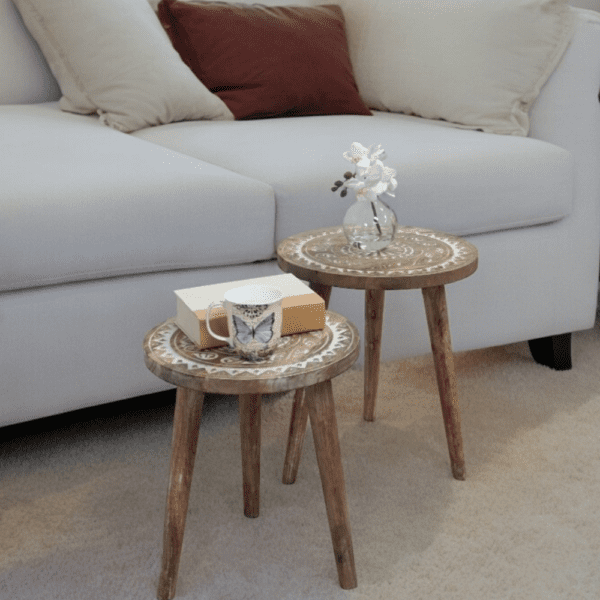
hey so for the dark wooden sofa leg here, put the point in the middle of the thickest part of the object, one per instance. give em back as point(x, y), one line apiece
point(553, 351)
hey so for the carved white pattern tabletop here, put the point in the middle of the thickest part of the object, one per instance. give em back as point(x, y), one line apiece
point(299, 360)
point(416, 258)
point(305, 362)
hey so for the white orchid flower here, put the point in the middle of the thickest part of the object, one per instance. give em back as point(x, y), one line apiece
point(377, 154)
point(358, 153)
point(372, 177)
point(364, 188)
point(385, 178)
point(359, 156)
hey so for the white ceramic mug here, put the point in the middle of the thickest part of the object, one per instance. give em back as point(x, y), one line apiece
point(253, 319)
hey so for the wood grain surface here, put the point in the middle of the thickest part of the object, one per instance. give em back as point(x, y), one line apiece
point(186, 424)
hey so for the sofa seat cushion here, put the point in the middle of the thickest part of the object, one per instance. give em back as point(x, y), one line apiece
point(459, 181)
point(82, 201)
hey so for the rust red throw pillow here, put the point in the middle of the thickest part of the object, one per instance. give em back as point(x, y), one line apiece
point(266, 61)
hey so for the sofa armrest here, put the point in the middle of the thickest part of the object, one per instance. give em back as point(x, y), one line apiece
point(567, 110)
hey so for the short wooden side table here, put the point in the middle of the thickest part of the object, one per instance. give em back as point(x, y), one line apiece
point(417, 258)
point(308, 361)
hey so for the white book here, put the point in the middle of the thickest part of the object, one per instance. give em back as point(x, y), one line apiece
point(302, 308)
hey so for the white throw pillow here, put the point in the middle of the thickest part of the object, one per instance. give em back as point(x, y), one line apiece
point(113, 58)
point(476, 63)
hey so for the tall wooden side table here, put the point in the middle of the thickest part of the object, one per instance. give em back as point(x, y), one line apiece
point(417, 258)
point(308, 361)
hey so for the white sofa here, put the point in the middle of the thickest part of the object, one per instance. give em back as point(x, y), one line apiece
point(98, 227)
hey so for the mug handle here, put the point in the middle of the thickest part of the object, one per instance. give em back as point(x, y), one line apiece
point(216, 335)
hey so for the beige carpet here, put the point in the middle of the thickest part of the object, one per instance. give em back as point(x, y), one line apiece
point(82, 498)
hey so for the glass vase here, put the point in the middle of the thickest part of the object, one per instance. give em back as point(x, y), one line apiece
point(369, 225)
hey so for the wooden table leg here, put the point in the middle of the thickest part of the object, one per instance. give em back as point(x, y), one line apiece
point(323, 290)
point(374, 300)
point(186, 423)
point(321, 409)
point(441, 345)
point(299, 418)
point(250, 436)
point(295, 442)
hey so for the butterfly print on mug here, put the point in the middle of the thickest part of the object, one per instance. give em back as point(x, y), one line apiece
point(263, 332)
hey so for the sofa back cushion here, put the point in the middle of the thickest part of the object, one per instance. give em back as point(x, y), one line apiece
point(267, 61)
point(479, 64)
point(25, 76)
point(114, 59)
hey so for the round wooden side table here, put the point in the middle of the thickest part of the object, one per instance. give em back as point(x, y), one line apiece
point(417, 258)
point(308, 361)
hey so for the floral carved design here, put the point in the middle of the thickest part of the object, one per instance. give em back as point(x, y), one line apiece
point(414, 251)
point(299, 353)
